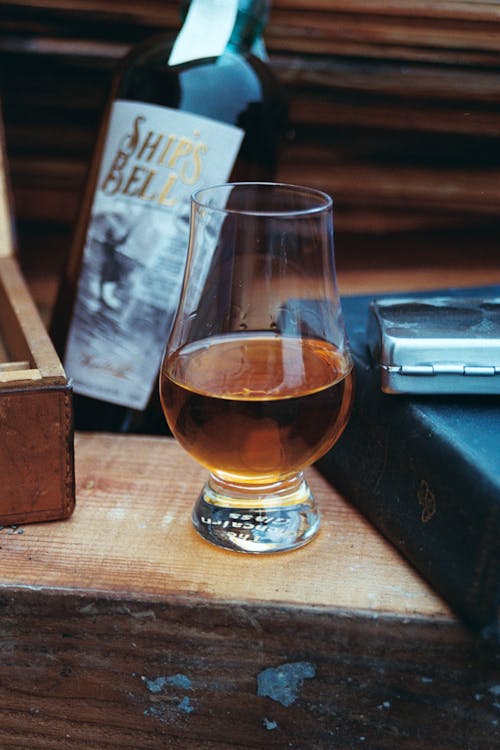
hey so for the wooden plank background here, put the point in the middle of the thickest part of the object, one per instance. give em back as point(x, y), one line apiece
point(394, 110)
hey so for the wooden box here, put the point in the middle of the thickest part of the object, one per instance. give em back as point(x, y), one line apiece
point(36, 423)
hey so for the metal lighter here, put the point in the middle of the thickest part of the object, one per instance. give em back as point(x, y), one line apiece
point(436, 344)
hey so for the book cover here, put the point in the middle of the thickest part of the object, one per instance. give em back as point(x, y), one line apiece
point(425, 470)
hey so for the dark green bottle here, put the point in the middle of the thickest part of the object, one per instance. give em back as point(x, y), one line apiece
point(184, 113)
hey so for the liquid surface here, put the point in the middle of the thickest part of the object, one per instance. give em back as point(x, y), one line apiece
point(257, 407)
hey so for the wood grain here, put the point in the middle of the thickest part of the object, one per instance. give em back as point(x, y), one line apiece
point(121, 628)
point(131, 534)
point(23, 331)
point(90, 672)
point(394, 106)
point(36, 417)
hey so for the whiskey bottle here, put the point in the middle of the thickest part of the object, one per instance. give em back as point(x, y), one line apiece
point(183, 114)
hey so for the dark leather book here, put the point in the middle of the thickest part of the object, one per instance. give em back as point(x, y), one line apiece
point(425, 470)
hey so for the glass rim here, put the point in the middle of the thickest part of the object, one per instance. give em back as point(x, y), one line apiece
point(324, 202)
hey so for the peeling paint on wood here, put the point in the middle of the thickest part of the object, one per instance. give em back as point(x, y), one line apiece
point(97, 671)
point(283, 683)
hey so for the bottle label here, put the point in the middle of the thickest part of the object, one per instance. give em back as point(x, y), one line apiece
point(206, 30)
point(133, 262)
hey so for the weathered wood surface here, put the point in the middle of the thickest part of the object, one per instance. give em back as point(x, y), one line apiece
point(93, 672)
point(36, 410)
point(394, 106)
point(394, 110)
point(131, 533)
point(120, 627)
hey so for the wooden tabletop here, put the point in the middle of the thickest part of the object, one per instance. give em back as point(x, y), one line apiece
point(121, 627)
point(131, 534)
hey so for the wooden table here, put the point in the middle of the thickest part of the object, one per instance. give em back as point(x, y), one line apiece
point(121, 628)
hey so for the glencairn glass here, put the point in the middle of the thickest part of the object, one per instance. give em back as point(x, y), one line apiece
point(256, 381)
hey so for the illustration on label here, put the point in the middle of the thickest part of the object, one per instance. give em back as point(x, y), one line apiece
point(136, 245)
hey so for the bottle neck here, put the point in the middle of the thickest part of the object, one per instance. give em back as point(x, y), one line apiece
point(250, 22)
point(249, 26)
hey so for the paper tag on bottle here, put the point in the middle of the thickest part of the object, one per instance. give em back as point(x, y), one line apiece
point(206, 30)
point(136, 246)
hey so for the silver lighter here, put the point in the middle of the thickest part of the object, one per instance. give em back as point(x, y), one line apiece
point(436, 344)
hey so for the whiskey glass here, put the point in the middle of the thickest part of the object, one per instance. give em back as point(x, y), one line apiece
point(256, 379)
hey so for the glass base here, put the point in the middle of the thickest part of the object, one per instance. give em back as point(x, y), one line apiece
point(271, 518)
